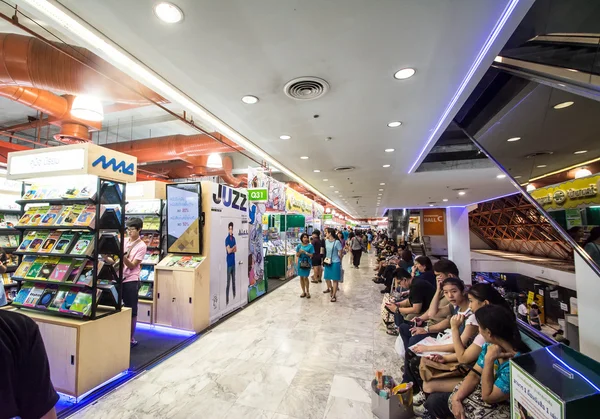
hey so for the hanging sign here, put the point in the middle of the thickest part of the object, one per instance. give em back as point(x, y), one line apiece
point(564, 307)
point(328, 217)
point(433, 222)
point(258, 195)
point(296, 202)
point(571, 194)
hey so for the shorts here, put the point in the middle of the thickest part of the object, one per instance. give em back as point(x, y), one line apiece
point(130, 296)
point(317, 262)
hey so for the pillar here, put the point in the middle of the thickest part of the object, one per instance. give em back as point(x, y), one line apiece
point(459, 241)
point(588, 308)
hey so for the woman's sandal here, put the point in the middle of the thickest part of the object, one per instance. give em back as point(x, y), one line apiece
point(327, 291)
point(307, 295)
point(303, 295)
point(392, 332)
point(333, 299)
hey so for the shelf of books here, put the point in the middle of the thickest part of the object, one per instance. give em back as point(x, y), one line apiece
point(10, 237)
point(65, 232)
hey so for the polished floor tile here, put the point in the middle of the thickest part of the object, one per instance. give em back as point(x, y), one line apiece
point(283, 357)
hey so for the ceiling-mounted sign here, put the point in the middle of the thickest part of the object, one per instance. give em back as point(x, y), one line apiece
point(328, 216)
point(571, 194)
point(296, 202)
point(258, 195)
point(433, 222)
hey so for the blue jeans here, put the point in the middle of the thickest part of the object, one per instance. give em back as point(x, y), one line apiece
point(230, 280)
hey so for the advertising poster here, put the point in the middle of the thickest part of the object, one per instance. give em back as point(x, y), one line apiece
point(183, 218)
point(229, 255)
point(530, 400)
point(276, 200)
point(298, 203)
point(257, 285)
point(576, 193)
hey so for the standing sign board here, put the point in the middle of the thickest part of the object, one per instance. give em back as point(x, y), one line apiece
point(554, 382)
point(184, 224)
point(229, 230)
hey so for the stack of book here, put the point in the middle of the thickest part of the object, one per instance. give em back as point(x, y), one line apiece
point(39, 192)
point(151, 239)
point(9, 241)
point(60, 298)
point(152, 257)
point(57, 243)
point(8, 220)
point(64, 216)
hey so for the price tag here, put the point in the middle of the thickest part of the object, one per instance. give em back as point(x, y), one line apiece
point(258, 195)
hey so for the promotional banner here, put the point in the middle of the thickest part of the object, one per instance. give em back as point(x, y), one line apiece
point(276, 200)
point(229, 255)
point(257, 218)
point(433, 222)
point(574, 193)
point(529, 399)
point(183, 218)
point(296, 202)
point(318, 211)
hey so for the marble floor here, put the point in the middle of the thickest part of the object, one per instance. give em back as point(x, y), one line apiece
point(283, 357)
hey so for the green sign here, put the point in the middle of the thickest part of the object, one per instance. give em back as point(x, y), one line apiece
point(258, 195)
point(328, 216)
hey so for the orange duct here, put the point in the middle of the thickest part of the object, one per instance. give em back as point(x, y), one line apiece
point(27, 61)
point(175, 170)
point(183, 147)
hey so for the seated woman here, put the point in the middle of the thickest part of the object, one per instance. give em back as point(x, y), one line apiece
point(486, 388)
point(480, 295)
point(423, 268)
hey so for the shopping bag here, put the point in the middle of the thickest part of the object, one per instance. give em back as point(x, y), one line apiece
point(399, 346)
point(431, 370)
point(342, 274)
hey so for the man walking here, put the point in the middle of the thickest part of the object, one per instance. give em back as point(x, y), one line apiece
point(231, 247)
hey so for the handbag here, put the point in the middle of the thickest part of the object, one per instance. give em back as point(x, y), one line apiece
point(305, 264)
point(431, 370)
point(327, 260)
point(476, 408)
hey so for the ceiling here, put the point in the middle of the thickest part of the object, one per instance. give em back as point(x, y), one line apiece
point(227, 49)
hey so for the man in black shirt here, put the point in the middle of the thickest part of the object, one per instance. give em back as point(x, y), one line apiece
point(420, 294)
point(25, 387)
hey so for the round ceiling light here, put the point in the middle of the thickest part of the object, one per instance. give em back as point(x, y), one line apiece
point(389, 150)
point(317, 171)
point(431, 205)
point(87, 108)
point(168, 12)
point(304, 157)
point(563, 105)
point(582, 173)
point(214, 161)
point(386, 165)
point(580, 152)
point(381, 190)
point(404, 74)
point(325, 180)
point(331, 186)
point(530, 188)
point(394, 124)
point(500, 176)
point(250, 100)
point(382, 184)
point(284, 137)
point(461, 193)
point(513, 139)
point(445, 199)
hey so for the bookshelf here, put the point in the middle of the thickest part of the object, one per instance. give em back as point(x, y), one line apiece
point(10, 212)
point(64, 232)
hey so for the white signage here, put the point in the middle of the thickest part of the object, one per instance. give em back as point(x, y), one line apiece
point(564, 307)
point(529, 399)
point(48, 162)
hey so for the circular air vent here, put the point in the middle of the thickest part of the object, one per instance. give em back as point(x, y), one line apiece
point(344, 168)
point(306, 88)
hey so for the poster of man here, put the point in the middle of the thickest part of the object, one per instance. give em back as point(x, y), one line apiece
point(231, 247)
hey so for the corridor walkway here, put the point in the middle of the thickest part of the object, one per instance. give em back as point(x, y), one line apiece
point(282, 357)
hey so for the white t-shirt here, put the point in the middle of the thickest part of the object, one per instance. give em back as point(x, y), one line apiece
point(522, 310)
point(471, 320)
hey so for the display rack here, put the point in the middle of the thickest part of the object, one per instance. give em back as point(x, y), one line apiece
point(10, 212)
point(63, 238)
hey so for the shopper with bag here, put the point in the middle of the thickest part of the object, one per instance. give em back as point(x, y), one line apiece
point(332, 263)
point(304, 254)
point(356, 246)
point(485, 391)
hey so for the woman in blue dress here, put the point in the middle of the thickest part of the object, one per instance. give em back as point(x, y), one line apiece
point(333, 269)
point(304, 253)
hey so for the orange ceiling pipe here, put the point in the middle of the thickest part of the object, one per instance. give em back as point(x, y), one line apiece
point(227, 176)
point(183, 147)
point(178, 170)
point(27, 61)
point(42, 100)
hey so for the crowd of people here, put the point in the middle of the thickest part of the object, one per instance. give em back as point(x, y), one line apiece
point(456, 341)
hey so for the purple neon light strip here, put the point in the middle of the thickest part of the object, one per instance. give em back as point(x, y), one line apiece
point(454, 206)
point(482, 53)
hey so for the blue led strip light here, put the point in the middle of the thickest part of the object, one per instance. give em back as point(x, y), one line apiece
point(587, 380)
point(486, 47)
point(165, 330)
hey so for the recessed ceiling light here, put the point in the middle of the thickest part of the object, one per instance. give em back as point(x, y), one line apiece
point(501, 176)
point(431, 205)
point(513, 139)
point(404, 74)
point(563, 105)
point(381, 190)
point(336, 191)
point(285, 137)
point(250, 100)
point(379, 194)
point(331, 186)
point(317, 171)
point(304, 157)
point(325, 180)
point(461, 193)
point(168, 12)
point(580, 152)
point(386, 165)
point(394, 124)
point(389, 150)
point(382, 184)
point(445, 199)
point(541, 166)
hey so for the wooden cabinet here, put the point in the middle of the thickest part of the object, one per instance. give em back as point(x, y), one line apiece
point(182, 296)
point(145, 311)
point(84, 353)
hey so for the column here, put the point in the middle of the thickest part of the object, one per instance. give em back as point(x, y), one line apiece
point(459, 243)
point(588, 308)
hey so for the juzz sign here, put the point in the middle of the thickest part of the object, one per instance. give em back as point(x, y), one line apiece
point(231, 198)
point(121, 167)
